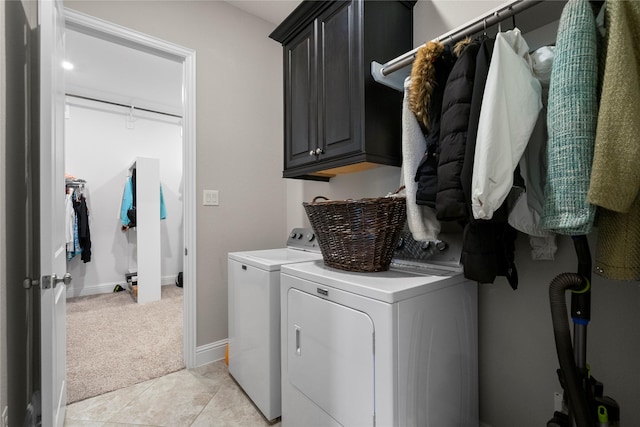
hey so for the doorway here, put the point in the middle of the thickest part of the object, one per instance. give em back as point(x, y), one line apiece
point(121, 37)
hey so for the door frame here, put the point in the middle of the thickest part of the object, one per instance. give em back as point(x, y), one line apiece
point(117, 34)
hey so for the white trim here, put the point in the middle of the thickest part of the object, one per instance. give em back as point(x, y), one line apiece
point(211, 352)
point(118, 34)
point(107, 288)
point(189, 213)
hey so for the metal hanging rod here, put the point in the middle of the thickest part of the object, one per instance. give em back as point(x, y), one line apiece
point(117, 104)
point(75, 182)
point(499, 14)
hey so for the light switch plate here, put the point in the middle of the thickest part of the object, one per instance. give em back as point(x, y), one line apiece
point(210, 198)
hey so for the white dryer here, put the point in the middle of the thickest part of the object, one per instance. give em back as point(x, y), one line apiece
point(254, 317)
point(394, 348)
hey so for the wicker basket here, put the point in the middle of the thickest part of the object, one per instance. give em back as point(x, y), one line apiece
point(357, 235)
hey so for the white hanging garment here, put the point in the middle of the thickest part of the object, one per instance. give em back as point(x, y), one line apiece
point(422, 221)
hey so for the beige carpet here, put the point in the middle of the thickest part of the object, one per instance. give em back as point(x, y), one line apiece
point(113, 342)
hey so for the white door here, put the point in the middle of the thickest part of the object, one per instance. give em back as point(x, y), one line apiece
point(51, 190)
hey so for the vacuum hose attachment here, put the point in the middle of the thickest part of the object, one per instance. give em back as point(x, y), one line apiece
point(562, 335)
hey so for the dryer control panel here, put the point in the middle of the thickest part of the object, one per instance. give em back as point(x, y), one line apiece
point(303, 239)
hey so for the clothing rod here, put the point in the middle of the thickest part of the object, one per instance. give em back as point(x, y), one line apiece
point(121, 105)
point(76, 182)
point(492, 17)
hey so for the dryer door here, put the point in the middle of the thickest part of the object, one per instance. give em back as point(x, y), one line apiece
point(330, 356)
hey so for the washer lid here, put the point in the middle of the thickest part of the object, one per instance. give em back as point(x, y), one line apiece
point(272, 259)
point(387, 286)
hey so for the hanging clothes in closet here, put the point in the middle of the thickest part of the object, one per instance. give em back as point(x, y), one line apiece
point(128, 215)
point(77, 231)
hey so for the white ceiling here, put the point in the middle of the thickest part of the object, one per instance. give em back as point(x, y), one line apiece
point(273, 11)
point(112, 72)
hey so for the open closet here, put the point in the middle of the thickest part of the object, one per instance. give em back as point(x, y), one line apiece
point(125, 116)
point(116, 113)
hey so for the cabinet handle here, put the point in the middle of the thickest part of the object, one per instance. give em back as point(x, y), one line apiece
point(312, 153)
point(319, 151)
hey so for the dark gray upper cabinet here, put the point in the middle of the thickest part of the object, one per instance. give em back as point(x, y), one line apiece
point(337, 119)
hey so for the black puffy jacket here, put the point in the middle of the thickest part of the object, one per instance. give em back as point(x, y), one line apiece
point(456, 104)
point(427, 171)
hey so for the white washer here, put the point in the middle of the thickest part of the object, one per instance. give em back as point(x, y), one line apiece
point(254, 317)
point(394, 348)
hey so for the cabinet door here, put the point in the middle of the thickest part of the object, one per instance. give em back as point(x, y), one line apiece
point(339, 80)
point(330, 357)
point(300, 99)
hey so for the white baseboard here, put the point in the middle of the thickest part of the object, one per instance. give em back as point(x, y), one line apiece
point(107, 288)
point(211, 352)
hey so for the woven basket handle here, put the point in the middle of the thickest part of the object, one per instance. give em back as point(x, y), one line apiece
point(318, 197)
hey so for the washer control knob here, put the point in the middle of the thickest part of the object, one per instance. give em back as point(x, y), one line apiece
point(310, 237)
point(294, 235)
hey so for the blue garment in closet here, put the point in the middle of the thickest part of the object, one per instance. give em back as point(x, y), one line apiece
point(127, 203)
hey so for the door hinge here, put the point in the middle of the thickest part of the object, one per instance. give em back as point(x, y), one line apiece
point(28, 283)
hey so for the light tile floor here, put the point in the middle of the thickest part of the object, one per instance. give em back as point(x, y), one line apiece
point(206, 396)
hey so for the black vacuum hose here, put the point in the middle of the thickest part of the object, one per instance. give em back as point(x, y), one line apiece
point(562, 335)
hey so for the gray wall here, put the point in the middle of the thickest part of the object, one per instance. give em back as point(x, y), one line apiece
point(17, 24)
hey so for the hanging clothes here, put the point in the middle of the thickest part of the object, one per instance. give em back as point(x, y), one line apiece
point(421, 220)
point(69, 223)
point(126, 217)
point(451, 204)
point(572, 119)
point(615, 179)
point(526, 203)
point(510, 107)
point(429, 75)
point(84, 234)
point(77, 232)
point(128, 207)
point(488, 247)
